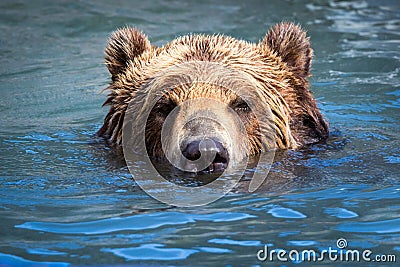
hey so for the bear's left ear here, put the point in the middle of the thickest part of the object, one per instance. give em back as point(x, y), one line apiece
point(289, 41)
point(123, 46)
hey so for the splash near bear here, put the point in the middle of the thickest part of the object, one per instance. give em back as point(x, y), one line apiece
point(206, 103)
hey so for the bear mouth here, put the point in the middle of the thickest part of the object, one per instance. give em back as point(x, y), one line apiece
point(219, 165)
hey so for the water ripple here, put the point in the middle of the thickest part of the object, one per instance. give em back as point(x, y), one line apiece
point(341, 213)
point(214, 250)
point(349, 192)
point(380, 227)
point(151, 252)
point(302, 243)
point(136, 222)
point(226, 241)
point(281, 212)
point(11, 260)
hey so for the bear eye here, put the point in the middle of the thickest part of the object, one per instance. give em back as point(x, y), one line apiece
point(164, 107)
point(240, 106)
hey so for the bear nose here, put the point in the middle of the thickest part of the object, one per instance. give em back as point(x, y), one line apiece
point(195, 149)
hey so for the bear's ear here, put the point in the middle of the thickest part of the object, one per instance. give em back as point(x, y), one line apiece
point(289, 41)
point(124, 45)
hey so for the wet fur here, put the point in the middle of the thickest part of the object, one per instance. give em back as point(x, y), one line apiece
point(279, 64)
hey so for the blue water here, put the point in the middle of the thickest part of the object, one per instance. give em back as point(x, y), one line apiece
point(67, 200)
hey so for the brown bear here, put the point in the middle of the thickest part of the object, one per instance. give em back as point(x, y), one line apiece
point(217, 87)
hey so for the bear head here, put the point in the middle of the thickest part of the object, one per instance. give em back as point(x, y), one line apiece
point(212, 95)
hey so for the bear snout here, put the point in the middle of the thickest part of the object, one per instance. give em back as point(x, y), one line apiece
point(194, 150)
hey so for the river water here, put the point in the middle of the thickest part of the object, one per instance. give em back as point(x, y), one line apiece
point(65, 199)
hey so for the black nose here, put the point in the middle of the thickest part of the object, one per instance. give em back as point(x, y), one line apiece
point(194, 150)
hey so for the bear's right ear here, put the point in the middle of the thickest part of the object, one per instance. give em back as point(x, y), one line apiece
point(289, 41)
point(123, 46)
